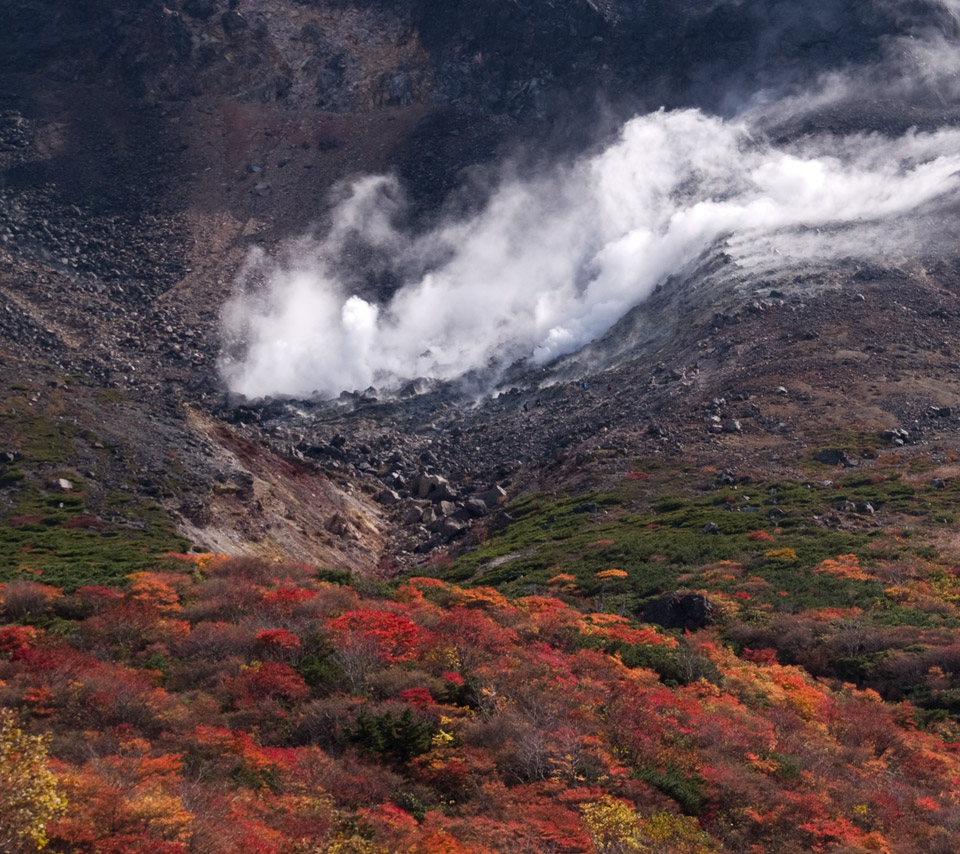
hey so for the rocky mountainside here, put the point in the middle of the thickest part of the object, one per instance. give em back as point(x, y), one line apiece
point(146, 147)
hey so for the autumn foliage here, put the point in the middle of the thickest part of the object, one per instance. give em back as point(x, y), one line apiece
point(245, 706)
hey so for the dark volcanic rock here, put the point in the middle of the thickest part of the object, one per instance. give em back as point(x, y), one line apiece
point(475, 507)
point(200, 9)
point(689, 611)
point(835, 457)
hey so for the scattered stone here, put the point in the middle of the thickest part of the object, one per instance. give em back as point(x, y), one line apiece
point(64, 485)
point(388, 496)
point(711, 528)
point(896, 437)
point(732, 426)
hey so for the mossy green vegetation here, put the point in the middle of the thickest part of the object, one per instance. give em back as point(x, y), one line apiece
point(758, 543)
point(59, 537)
point(52, 538)
point(40, 440)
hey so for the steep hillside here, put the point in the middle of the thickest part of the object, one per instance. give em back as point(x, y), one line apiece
point(146, 148)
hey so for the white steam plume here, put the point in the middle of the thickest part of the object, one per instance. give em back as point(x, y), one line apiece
point(550, 264)
point(919, 67)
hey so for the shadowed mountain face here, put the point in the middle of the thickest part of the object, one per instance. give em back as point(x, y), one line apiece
point(495, 55)
point(490, 72)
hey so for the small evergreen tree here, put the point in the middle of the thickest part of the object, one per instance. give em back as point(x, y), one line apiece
point(400, 738)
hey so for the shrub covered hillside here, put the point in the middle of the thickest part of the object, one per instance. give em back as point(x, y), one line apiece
point(218, 705)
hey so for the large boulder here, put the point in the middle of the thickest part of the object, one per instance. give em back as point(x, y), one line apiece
point(475, 507)
point(493, 496)
point(680, 611)
point(835, 457)
point(435, 488)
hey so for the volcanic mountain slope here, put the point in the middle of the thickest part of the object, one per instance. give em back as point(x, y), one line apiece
point(689, 587)
point(147, 147)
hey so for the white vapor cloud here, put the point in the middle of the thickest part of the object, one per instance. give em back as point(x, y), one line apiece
point(550, 264)
point(920, 66)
